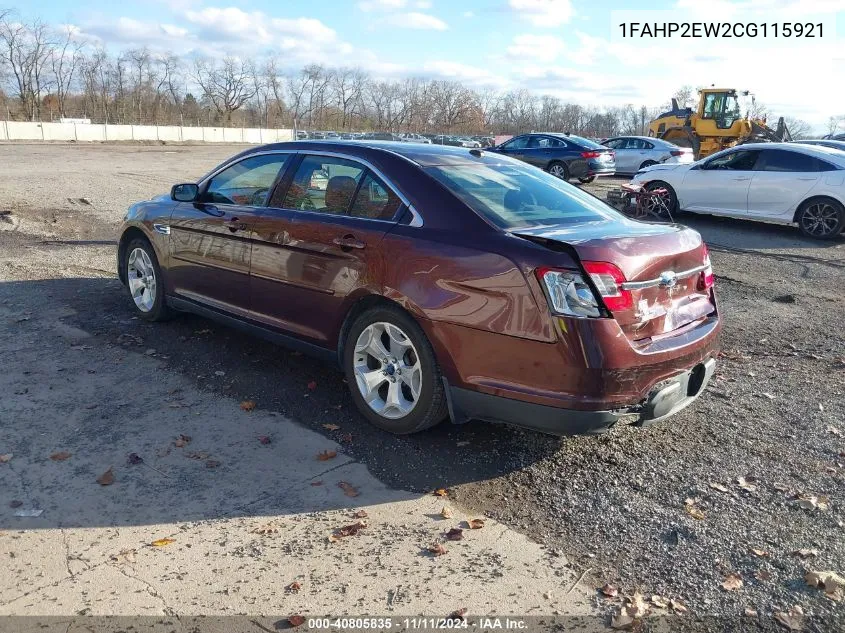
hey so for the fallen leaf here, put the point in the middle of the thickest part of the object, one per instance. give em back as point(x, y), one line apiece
point(832, 583)
point(750, 613)
point(719, 487)
point(162, 542)
point(124, 556)
point(294, 587)
point(247, 405)
point(312, 385)
point(60, 456)
point(746, 483)
point(265, 528)
point(134, 459)
point(476, 524)
point(794, 620)
point(637, 606)
point(346, 438)
point(811, 502)
point(264, 439)
point(6, 457)
point(455, 534)
point(437, 549)
point(763, 575)
point(325, 456)
point(677, 606)
point(348, 530)
point(212, 463)
point(331, 427)
point(609, 591)
point(199, 455)
point(694, 511)
point(806, 553)
point(182, 440)
point(446, 512)
point(107, 478)
point(760, 552)
point(348, 489)
point(296, 620)
point(833, 430)
point(441, 492)
point(659, 601)
point(732, 582)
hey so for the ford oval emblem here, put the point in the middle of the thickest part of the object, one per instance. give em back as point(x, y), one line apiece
point(668, 279)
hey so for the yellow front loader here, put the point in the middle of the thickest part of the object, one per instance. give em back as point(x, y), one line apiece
point(721, 120)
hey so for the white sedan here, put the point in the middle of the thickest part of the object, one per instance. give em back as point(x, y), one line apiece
point(786, 183)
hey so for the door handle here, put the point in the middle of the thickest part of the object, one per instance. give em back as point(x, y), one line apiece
point(811, 178)
point(235, 224)
point(741, 179)
point(348, 242)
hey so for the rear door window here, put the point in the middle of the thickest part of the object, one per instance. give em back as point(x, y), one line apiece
point(520, 142)
point(324, 184)
point(785, 160)
point(375, 200)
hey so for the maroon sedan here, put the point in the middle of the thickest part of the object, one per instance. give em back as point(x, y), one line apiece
point(444, 281)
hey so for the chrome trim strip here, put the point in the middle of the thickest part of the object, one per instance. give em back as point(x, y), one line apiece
point(161, 228)
point(417, 218)
point(651, 283)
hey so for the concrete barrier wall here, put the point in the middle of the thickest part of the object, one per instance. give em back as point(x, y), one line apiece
point(30, 131)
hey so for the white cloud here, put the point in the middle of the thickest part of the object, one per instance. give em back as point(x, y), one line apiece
point(469, 14)
point(543, 13)
point(416, 20)
point(381, 5)
point(232, 23)
point(538, 47)
point(423, 4)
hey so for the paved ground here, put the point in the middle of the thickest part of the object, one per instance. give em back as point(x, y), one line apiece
point(80, 377)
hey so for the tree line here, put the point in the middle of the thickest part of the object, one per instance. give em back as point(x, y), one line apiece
point(47, 74)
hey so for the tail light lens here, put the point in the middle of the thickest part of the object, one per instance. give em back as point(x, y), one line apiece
point(706, 281)
point(568, 293)
point(677, 152)
point(590, 154)
point(608, 280)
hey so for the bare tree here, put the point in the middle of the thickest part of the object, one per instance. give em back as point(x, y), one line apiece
point(685, 96)
point(25, 51)
point(64, 60)
point(833, 124)
point(226, 84)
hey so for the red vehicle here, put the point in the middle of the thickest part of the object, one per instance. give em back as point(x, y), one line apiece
point(442, 280)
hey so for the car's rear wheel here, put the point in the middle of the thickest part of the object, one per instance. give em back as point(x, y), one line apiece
point(558, 169)
point(821, 219)
point(663, 205)
point(145, 282)
point(392, 372)
point(586, 180)
point(648, 163)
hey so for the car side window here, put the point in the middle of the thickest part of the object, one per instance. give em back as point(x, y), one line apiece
point(247, 182)
point(324, 184)
point(613, 143)
point(520, 142)
point(784, 160)
point(647, 145)
point(375, 200)
point(742, 160)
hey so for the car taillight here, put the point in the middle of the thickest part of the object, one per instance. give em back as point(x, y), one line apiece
point(677, 152)
point(568, 293)
point(590, 154)
point(608, 280)
point(706, 281)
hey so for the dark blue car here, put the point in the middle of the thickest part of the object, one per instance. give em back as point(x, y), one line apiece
point(563, 155)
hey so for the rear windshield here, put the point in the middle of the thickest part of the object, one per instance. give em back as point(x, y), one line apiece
point(585, 142)
point(516, 196)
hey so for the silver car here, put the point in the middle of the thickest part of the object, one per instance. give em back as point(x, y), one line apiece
point(636, 152)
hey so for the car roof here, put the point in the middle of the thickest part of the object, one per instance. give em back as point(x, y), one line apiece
point(829, 154)
point(422, 154)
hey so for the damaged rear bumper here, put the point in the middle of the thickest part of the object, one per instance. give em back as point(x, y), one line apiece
point(663, 401)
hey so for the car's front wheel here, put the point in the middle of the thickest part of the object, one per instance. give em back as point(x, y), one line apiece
point(392, 372)
point(558, 169)
point(144, 281)
point(821, 219)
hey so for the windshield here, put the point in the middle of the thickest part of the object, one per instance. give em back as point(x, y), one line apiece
point(516, 196)
point(585, 142)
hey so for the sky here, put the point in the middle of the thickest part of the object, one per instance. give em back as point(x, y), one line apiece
point(572, 49)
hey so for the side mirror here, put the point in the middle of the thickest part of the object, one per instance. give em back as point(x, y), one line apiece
point(186, 192)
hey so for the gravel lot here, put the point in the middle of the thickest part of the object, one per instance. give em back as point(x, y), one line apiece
point(770, 428)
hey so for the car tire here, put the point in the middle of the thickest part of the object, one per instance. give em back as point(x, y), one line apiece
point(821, 218)
point(648, 163)
point(558, 169)
point(672, 203)
point(400, 404)
point(145, 282)
point(587, 180)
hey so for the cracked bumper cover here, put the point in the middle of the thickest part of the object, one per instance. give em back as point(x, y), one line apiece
point(663, 401)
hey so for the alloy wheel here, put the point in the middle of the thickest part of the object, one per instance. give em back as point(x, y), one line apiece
point(140, 275)
point(820, 219)
point(558, 170)
point(387, 370)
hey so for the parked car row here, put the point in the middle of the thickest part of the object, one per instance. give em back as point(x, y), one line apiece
point(405, 137)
